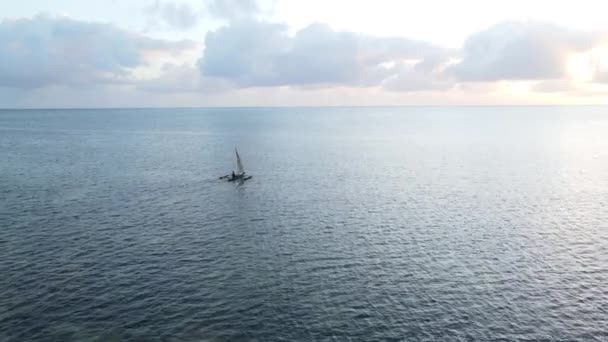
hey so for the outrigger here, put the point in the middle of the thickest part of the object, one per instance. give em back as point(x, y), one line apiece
point(240, 171)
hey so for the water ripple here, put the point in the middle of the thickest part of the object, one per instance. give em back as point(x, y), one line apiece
point(115, 230)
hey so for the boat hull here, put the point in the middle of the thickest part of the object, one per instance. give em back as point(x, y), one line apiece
point(242, 178)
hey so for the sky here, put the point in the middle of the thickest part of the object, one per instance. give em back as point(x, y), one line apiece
point(191, 53)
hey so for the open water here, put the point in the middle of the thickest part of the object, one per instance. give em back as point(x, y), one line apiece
point(360, 224)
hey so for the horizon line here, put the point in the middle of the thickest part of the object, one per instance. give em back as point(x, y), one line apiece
point(322, 106)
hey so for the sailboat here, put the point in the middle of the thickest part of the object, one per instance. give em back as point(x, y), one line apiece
point(240, 170)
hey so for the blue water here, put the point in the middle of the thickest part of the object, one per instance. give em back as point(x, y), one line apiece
point(360, 224)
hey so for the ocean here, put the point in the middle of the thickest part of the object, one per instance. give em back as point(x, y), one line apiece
point(359, 224)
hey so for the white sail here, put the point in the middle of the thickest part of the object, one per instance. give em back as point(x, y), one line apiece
point(239, 164)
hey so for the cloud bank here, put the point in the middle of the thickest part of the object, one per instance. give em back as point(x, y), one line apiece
point(255, 53)
point(262, 54)
point(246, 54)
point(45, 51)
point(521, 51)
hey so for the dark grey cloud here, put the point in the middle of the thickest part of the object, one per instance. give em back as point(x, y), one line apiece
point(44, 50)
point(521, 51)
point(253, 53)
point(177, 16)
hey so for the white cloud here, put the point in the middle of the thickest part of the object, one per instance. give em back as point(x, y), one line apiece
point(555, 86)
point(521, 51)
point(44, 51)
point(247, 61)
point(173, 15)
point(426, 75)
point(253, 53)
point(601, 77)
point(183, 78)
point(233, 9)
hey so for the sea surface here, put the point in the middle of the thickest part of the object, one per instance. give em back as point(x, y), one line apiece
point(360, 224)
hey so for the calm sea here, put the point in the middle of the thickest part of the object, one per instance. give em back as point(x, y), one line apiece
point(360, 224)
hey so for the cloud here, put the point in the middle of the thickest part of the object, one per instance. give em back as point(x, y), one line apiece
point(44, 51)
point(182, 78)
point(233, 9)
point(48, 58)
point(521, 51)
point(554, 86)
point(177, 16)
point(182, 16)
point(425, 75)
point(601, 77)
point(255, 53)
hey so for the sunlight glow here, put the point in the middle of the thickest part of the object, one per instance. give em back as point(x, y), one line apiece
point(580, 67)
point(599, 56)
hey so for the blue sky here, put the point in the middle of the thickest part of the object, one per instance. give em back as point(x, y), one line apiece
point(277, 52)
